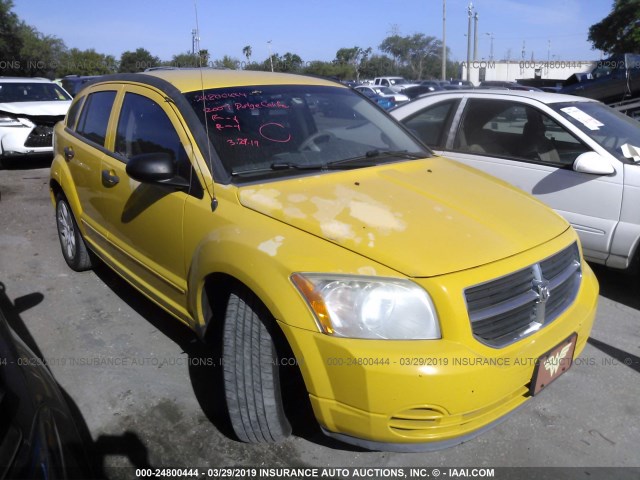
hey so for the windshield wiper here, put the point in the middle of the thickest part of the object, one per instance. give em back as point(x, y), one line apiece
point(342, 164)
point(293, 166)
point(378, 154)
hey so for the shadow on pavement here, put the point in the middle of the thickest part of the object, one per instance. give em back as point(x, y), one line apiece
point(619, 286)
point(84, 449)
point(206, 369)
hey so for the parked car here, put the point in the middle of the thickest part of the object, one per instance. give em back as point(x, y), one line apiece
point(457, 84)
point(39, 437)
point(612, 80)
point(386, 103)
point(386, 92)
point(74, 83)
point(270, 227)
point(493, 84)
point(29, 108)
point(397, 84)
point(426, 86)
point(575, 154)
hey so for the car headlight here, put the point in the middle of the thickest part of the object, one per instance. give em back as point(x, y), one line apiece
point(369, 307)
point(9, 122)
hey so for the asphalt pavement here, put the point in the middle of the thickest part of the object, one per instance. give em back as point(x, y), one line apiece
point(149, 393)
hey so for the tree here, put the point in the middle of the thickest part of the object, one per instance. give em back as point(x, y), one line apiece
point(418, 53)
point(377, 66)
point(354, 57)
point(618, 32)
point(138, 61)
point(40, 54)
point(10, 40)
point(290, 62)
point(247, 53)
point(227, 62)
point(85, 62)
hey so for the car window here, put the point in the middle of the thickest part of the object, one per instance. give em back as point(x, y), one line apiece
point(431, 125)
point(72, 114)
point(515, 130)
point(143, 127)
point(278, 130)
point(95, 116)
point(606, 126)
point(11, 92)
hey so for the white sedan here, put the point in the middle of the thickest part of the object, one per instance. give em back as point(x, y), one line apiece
point(575, 154)
point(384, 92)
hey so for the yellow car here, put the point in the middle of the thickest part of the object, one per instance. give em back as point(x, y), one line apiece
point(421, 299)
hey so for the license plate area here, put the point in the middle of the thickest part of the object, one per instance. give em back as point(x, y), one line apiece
point(553, 364)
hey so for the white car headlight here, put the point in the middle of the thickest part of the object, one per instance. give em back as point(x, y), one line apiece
point(9, 122)
point(369, 307)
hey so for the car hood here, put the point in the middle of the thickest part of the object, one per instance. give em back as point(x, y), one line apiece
point(32, 109)
point(422, 218)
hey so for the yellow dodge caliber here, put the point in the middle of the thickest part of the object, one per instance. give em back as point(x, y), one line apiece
point(422, 300)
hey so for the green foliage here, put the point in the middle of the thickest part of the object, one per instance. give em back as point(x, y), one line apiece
point(246, 51)
point(355, 57)
point(618, 32)
point(10, 39)
point(227, 62)
point(138, 61)
point(40, 54)
point(418, 54)
point(85, 62)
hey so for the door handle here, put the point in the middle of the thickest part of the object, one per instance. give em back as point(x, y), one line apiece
point(108, 179)
point(68, 153)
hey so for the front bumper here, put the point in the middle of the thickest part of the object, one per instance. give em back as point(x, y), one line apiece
point(24, 141)
point(427, 395)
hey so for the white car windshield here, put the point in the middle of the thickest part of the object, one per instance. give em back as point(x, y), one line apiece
point(11, 92)
point(608, 127)
point(282, 130)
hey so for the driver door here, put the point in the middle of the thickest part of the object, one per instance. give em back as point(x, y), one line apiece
point(145, 221)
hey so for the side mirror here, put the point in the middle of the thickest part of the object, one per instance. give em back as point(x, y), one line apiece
point(593, 163)
point(157, 168)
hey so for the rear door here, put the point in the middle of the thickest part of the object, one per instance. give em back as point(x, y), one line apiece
point(88, 122)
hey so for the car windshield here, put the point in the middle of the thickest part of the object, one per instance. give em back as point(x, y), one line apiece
point(384, 91)
point(609, 128)
point(31, 92)
point(276, 130)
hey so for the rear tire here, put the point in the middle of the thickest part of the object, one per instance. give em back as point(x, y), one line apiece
point(251, 379)
point(74, 250)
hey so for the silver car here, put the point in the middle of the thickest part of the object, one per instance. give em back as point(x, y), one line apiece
point(575, 154)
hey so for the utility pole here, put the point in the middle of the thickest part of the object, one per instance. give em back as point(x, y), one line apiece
point(195, 42)
point(491, 50)
point(444, 39)
point(470, 14)
point(475, 37)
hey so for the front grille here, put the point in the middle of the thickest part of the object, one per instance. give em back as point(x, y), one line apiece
point(512, 307)
point(40, 136)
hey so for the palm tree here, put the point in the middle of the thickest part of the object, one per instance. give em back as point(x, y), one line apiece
point(247, 53)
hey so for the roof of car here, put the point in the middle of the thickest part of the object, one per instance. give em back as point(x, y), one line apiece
point(544, 97)
point(191, 79)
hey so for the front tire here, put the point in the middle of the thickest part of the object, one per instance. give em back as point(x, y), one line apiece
point(74, 250)
point(251, 379)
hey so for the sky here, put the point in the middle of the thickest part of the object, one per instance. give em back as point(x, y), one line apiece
point(547, 29)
